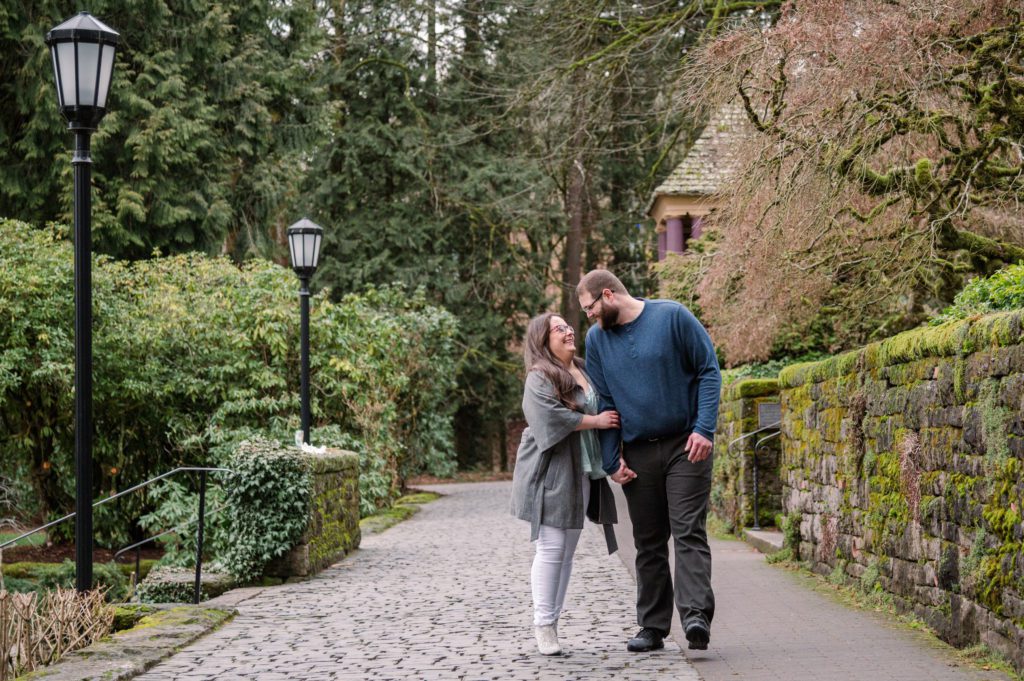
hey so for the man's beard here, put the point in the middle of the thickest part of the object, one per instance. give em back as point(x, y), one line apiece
point(609, 316)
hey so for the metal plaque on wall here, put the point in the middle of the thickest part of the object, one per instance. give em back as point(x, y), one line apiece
point(768, 414)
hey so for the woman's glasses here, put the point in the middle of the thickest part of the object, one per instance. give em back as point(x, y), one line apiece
point(561, 328)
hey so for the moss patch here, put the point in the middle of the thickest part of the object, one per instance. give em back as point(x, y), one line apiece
point(950, 339)
point(404, 508)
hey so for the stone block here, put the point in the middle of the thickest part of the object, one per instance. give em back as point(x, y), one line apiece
point(333, 526)
point(929, 595)
point(1013, 605)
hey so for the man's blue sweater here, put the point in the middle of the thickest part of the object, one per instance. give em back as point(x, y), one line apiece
point(659, 372)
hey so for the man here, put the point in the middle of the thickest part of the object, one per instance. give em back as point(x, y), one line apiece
point(653, 362)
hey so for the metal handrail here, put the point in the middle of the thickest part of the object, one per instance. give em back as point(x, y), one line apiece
point(137, 545)
point(757, 446)
point(200, 516)
point(771, 426)
point(111, 498)
point(765, 439)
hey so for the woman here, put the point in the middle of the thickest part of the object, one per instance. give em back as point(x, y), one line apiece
point(558, 475)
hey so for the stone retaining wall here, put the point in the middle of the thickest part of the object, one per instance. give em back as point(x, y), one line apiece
point(732, 489)
point(333, 528)
point(902, 462)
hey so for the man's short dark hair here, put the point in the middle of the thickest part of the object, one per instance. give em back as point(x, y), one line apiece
point(595, 282)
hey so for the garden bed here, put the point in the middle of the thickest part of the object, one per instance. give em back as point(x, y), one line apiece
point(58, 553)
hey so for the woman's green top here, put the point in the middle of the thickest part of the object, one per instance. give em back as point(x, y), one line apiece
point(590, 446)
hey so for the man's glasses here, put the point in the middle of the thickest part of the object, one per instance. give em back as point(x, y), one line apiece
point(588, 308)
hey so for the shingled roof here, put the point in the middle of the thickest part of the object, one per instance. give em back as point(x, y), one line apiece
point(710, 159)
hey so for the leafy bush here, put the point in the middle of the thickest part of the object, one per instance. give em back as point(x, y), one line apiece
point(268, 495)
point(192, 352)
point(1004, 290)
point(177, 506)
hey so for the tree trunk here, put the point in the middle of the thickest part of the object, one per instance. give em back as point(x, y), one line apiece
point(576, 208)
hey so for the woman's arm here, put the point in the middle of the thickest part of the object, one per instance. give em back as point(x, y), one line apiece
point(603, 421)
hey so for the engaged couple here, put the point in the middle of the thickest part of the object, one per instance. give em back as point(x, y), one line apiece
point(641, 410)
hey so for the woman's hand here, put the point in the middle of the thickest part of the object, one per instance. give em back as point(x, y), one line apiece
point(606, 419)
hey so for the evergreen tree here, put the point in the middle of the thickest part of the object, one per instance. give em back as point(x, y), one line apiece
point(210, 115)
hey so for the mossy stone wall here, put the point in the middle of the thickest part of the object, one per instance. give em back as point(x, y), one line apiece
point(333, 529)
point(903, 462)
point(732, 487)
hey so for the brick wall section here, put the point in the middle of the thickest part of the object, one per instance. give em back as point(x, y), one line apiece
point(903, 462)
point(732, 489)
point(333, 528)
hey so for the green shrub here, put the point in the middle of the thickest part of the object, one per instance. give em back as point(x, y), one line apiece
point(769, 369)
point(190, 351)
point(838, 574)
point(268, 496)
point(1004, 290)
point(177, 506)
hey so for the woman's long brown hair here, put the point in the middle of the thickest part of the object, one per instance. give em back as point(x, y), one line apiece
point(538, 357)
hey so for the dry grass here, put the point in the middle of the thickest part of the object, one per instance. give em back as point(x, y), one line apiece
point(36, 630)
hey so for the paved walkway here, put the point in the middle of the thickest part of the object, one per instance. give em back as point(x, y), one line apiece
point(445, 595)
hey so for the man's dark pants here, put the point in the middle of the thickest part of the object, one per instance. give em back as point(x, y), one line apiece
point(669, 497)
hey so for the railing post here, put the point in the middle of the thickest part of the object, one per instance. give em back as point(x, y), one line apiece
point(138, 566)
point(199, 536)
point(757, 522)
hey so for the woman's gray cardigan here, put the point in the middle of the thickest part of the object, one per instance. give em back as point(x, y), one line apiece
point(547, 484)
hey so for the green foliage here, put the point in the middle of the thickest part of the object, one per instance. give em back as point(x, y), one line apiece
point(268, 493)
point(680, 273)
point(212, 109)
point(780, 556)
point(191, 354)
point(177, 591)
point(838, 574)
point(1004, 290)
point(791, 534)
point(430, 191)
point(41, 577)
point(176, 505)
point(869, 578)
point(994, 421)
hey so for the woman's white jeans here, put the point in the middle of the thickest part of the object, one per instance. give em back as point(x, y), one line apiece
point(552, 566)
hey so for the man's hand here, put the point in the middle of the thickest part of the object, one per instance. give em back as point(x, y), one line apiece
point(698, 447)
point(624, 474)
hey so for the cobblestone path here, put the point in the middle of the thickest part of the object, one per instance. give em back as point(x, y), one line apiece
point(444, 595)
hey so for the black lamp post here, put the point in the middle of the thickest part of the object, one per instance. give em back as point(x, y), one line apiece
point(83, 60)
point(304, 239)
